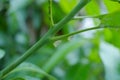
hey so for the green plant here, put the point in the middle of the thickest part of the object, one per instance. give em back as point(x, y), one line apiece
point(45, 38)
point(110, 20)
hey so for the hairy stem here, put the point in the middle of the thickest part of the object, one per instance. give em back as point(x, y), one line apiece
point(45, 39)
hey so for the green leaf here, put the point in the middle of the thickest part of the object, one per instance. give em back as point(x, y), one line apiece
point(67, 5)
point(61, 52)
point(111, 20)
point(111, 6)
point(112, 36)
point(2, 53)
point(78, 72)
point(27, 71)
point(92, 8)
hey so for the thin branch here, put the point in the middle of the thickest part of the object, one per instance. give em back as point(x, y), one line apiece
point(82, 17)
point(73, 33)
point(80, 31)
point(50, 13)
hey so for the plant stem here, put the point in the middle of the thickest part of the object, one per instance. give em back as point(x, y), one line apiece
point(45, 39)
point(80, 31)
point(73, 33)
point(50, 13)
point(82, 17)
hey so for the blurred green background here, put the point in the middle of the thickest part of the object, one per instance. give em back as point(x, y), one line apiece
point(92, 55)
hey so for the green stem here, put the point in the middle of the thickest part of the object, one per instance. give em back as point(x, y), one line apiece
point(71, 34)
point(45, 39)
point(82, 17)
point(50, 13)
point(80, 31)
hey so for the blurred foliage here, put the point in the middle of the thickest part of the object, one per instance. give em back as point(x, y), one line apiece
point(93, 55)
